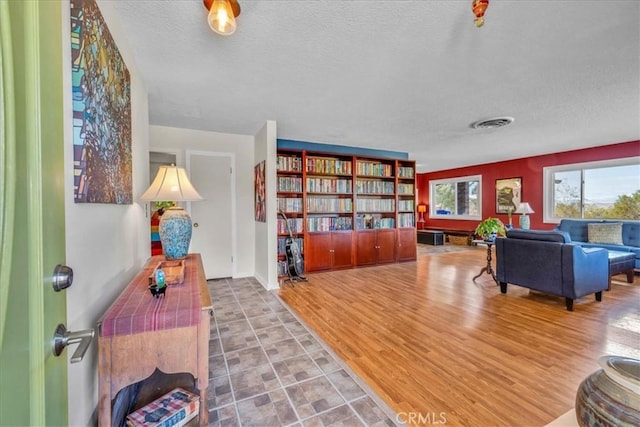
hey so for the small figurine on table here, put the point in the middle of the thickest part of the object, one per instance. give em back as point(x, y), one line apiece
point(160, 287)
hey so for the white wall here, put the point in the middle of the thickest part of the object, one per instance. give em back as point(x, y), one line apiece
point(177, 140)
point(106, 244)
point(266, 232)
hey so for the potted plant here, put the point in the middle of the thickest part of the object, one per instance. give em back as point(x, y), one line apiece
point(489, 229)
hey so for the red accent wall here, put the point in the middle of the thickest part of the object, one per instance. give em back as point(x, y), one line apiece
point(531, 171)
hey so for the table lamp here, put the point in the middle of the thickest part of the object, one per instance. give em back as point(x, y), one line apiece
point(172, 184)
point(422, 209)
point(524, 208)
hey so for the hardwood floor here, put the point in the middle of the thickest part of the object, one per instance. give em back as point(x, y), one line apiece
point(437, 347)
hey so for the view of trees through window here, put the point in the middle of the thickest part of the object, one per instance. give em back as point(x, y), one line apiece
point(459, 197)
point(607, 192)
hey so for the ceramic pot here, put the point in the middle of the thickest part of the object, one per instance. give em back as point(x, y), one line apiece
point(611, 395)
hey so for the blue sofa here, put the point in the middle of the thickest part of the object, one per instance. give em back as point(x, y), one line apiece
point(578, 231)
point(547, 261)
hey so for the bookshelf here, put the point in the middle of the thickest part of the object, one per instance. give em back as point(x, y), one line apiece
point(290, 201)
point(346, 210)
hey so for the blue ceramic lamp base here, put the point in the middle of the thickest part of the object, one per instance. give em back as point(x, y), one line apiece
point(525, 224)
point(175, 233)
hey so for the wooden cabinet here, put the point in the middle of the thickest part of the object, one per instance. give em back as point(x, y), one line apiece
point(406, 244)
point(376, 246)
point(329, 250)
point(346, 210)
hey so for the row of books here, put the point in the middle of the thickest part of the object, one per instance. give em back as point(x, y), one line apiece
point(405, 189)
point(406, 172)
point(289, 164)
point(368, 186)
point(289, 204)
point(406, 205)
point(367, 222)
point(329, 223)
point(375, 205)
point(328, 166)
point(406, 220)
point(295, 225)
point(374, 169)
point(282, 245)
point(324, 204)
point(283, 268)
point(290, 184)
point(328, 185)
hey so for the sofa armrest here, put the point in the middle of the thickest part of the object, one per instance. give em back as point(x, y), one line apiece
point(585, 270)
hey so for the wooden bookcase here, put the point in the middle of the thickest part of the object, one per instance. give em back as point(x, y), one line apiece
point(346, 210)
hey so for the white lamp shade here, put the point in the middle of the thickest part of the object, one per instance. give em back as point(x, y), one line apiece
point(172, 185)
point(524, 208)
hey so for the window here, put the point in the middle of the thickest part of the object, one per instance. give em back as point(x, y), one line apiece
point(456, 198)
point(606, 189)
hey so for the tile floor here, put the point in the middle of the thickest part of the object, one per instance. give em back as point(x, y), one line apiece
point(267, 369)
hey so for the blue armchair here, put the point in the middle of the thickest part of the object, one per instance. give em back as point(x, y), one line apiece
point(546, 261)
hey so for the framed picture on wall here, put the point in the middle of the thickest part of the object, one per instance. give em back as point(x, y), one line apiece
point(259, 181)
point(508, 194)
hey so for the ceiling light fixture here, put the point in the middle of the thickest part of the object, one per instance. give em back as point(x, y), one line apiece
point(478, 7)
point(222, 15)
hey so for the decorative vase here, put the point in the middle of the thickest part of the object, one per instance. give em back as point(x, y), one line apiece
point(175, 233)
point(491, 237)
point(611, 395)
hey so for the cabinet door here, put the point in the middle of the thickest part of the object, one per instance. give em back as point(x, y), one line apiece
point(318, 255)
point(342, 242)
point(366, 244)
point(406, 244)
point(386, 243)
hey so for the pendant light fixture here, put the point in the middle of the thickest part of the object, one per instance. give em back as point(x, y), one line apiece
point(222, 15)
point(479, 7)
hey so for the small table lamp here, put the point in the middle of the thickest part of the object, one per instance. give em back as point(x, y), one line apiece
point(172, 184)
point(422, 209)
point(524, 208)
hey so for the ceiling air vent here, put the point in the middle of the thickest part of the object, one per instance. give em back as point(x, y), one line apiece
point(496, 122)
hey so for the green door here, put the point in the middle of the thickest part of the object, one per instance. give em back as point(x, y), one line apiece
point(33, 382)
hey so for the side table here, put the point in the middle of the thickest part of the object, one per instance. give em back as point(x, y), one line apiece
point(488, 269)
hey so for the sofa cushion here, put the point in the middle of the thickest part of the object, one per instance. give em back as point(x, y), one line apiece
point(609, 233)
point(541, 235)
point(631, 233)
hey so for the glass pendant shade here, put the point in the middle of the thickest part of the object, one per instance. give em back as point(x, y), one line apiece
point(479, 7)
point(221, 18)
point(172, 184)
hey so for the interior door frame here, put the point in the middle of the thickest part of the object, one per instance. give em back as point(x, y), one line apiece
point(232, 189)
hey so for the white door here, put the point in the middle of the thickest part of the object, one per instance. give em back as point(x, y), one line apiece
point(212, 176)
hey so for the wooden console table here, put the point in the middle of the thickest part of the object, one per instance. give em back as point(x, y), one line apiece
point(139, 333)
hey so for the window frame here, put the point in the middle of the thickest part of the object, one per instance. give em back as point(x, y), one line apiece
point(454, 180)
point(548, 190)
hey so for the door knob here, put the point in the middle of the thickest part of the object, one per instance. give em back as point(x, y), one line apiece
point(62, 277)
point(196, 225)
point(62, 338)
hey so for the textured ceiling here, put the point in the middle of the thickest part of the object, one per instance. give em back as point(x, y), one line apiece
point(398, 75)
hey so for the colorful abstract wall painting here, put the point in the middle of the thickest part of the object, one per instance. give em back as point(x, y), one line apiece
point(101, 110)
